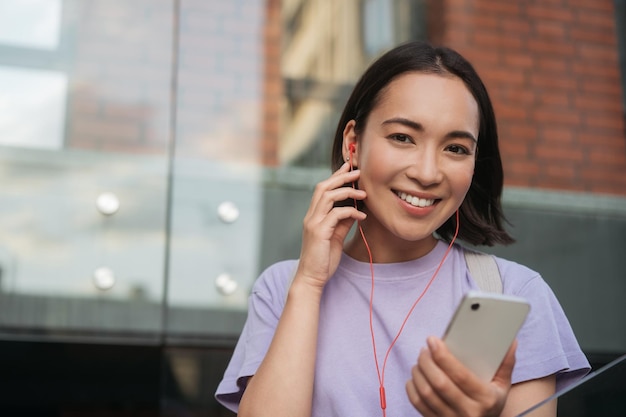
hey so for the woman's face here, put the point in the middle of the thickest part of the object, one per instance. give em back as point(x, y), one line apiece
point(416, 155)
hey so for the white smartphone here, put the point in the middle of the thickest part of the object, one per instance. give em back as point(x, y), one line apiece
point(483, 328)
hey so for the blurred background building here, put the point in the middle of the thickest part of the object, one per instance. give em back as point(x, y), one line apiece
point(156, 155)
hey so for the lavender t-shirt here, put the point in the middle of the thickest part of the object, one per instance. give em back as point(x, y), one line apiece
point(346, 382)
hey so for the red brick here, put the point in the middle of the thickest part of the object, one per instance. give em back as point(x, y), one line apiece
point(562, 172)
point(615, 156)
point(603, 178)
point(512, 112)
point(551, 116)
point(593, 69)
point(552, 81)
point(597, 20)
point(491, 39)
point(484, 57)
point(520, 131)
point(496, 7)
point(522, 167)
point(607, 88)
point(603, 121)
point(599, 54)
point(600, 36)
point(513, 147)
point(554, 13)
point(551, 153)
point(550, 30)
point(515, 96)
point(587, 5)
point(559, 66)
point(554, 99)
point(463, 20)
point(506, 76)
point(600, 104)
point(554, 2)
point(597, 138)
point(562, 135)
point(519, 60)
point(552, 48)
point(515, 26)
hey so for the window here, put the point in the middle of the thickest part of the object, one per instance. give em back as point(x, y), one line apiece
point(32, 79)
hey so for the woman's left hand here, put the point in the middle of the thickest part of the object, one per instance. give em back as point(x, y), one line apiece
point(442, 386)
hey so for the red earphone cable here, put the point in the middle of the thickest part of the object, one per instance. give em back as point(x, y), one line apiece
point(381, 375)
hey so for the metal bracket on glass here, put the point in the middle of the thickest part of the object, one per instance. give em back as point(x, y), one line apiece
point(225, 284)
point(103, 278)
point(107, 203)
point(228, 212)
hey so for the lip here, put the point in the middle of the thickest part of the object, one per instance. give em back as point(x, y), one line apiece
point(417, 210)
point(422, 196)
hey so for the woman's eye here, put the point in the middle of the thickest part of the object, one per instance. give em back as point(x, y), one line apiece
point(401, 138)
point(461, 150)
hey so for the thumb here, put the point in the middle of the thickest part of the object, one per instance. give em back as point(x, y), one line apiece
point(504, 373)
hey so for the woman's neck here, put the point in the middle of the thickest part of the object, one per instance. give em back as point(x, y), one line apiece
point(388, 250)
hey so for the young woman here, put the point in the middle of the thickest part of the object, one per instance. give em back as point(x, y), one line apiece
point(328, 334)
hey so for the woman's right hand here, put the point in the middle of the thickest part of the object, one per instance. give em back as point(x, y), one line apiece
point(326, 227)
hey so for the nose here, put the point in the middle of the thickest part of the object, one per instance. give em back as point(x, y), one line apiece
point(425, 168)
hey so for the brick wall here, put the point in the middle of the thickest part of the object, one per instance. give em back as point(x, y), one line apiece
point(120, 74)
point(552, 69)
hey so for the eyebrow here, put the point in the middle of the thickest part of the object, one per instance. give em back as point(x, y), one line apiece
point(417, 126)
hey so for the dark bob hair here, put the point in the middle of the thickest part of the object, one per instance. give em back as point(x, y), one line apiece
point(481, 215)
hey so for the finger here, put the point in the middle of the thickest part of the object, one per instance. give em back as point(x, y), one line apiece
point(328, 200)
point(468, 392)
point(337, 180)
point(458, 373)
point(327, 225)
point(435, 387)
point(505, 371)
point(416, 400)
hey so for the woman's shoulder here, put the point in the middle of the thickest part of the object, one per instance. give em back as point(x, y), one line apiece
point(513, 269)
point(276, 278)
point(514, 275)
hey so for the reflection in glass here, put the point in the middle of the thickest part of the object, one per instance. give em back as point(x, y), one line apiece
point(326, 46)
point(30, 23)
point(32, 108)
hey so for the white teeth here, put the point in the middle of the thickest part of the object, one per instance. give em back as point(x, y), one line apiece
point(416, 201)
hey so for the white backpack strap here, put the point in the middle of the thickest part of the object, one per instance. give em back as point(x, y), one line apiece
point(484, 270)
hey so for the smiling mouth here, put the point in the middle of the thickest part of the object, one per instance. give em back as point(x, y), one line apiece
point(415, 201)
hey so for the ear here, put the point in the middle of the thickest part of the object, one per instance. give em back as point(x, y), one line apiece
point(350, 146)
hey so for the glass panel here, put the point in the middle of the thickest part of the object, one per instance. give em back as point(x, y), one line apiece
point(32, 95)
point(84, 196)
point(216, 188)
point(256, 111)
point(30, 23)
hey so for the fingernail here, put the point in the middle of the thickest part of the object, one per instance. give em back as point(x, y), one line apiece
point(432, 344)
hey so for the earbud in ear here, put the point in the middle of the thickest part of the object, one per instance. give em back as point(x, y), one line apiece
point(352, 148)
